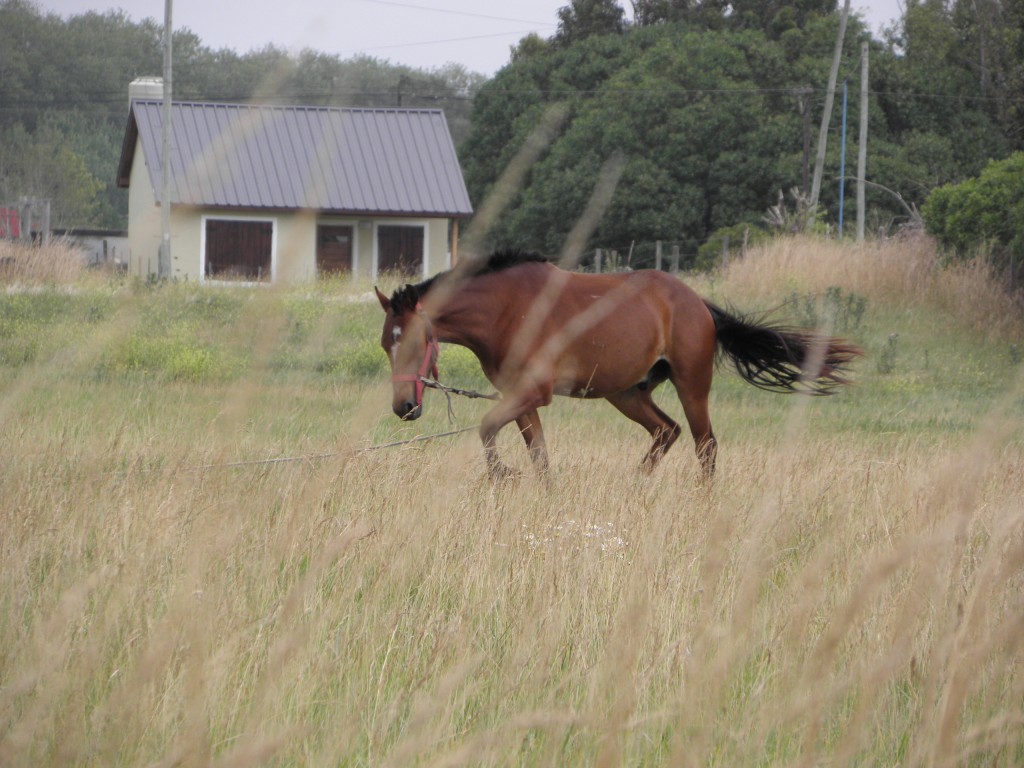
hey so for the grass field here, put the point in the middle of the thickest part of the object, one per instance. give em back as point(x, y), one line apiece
point(850, 590)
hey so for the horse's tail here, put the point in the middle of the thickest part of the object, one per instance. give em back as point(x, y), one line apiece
point(780, 358)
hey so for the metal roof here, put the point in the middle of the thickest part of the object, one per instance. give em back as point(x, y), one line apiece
point(366, 161)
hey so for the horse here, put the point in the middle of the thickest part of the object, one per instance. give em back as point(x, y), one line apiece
point(539, 331)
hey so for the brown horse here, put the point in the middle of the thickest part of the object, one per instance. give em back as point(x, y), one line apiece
point(540, 331)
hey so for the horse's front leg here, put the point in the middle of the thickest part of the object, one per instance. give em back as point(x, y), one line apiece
point(523, 410)
point(533, 434)
point(493, 421)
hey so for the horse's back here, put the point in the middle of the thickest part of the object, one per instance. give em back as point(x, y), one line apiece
point(675, 304)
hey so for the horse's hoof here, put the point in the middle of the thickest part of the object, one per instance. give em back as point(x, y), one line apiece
point(647, 467)
point(499, 472)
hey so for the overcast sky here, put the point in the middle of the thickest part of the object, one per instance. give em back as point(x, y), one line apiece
point(421, 33)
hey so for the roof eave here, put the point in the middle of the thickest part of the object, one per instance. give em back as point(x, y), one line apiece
point(336, 212)
point(131, 140)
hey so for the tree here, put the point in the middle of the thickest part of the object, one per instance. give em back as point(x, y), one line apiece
point(588, 18)
point(647, 13)
point(769, 16)
point(989, 43)
point(43, 166)
point(531, 45)
point(708, 120)
point(933, 125)
point(774, 17)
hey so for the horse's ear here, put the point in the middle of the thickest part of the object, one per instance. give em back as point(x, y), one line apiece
point(385, 302)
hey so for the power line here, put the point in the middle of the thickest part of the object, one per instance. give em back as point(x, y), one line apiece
point(460, 13)
point(434, 42)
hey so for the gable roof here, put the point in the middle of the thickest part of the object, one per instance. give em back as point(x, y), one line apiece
point(364, 161)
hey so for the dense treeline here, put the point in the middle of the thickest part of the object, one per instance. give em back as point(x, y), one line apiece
point(715, 106)
point(64, 97)
point(714, 103)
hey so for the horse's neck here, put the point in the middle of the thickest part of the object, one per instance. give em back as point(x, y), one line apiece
point(461, 319)
point(485, 314)
point(468, 319)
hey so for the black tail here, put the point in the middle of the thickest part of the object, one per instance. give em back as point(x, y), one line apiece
point(783, 359)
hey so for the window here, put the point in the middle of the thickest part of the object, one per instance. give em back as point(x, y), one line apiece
point(333, 249)
point(400, 248)
point(239, 250)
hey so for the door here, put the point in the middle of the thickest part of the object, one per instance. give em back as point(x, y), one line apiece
point(333, 249)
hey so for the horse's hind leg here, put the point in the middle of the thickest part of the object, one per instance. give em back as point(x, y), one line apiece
point(692, 369)
point(699, 419)
point(693, 391)
point(636, 404)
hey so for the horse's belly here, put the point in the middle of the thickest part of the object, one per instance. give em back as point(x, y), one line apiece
point(575, 379)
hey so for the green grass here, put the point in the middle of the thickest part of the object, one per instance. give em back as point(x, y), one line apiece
point(846, 593)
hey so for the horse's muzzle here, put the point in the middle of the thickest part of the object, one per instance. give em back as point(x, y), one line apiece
point(408, 410)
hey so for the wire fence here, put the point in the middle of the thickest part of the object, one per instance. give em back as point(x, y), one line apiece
point(665, 255)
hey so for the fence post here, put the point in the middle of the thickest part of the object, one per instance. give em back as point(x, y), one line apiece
point(45, 235)
point(675, 259)
point(657, 255)
point(597, 261)
point(26, 221)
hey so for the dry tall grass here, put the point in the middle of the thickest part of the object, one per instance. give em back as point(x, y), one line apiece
point(830, 600)
point(56, 264)
point(904, 273)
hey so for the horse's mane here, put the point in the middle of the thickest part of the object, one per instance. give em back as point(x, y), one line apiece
point(406, 298)
point(506, 259)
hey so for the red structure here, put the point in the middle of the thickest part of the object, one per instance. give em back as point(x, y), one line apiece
point(10, 223)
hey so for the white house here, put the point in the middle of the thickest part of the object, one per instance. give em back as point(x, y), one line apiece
point(267, 193)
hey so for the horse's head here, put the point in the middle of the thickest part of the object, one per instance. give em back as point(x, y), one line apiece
point(409, 342)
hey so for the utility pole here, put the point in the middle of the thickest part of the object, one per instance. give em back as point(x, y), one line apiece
point(862, 139)
point(804, 100)
point(842, 163)
point(164, 263)
point(819, 162)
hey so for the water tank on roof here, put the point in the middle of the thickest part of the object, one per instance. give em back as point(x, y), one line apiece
point(146, 88)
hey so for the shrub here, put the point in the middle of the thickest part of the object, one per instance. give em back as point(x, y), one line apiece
point(986, 211)
point(732, 240)
point(837, 310)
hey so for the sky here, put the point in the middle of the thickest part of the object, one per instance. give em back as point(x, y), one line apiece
point(424, 34)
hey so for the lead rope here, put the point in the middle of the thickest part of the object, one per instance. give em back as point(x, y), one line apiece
point(449, 391)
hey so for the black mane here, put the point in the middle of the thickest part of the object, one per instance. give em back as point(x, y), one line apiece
point(506, 259)
point(406, 298)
